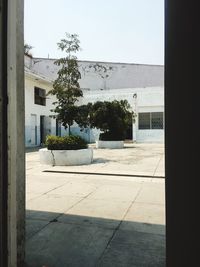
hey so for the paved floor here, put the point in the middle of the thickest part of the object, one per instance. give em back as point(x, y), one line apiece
point(102, 219)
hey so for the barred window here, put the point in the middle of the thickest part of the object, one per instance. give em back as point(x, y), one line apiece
point(151, 120)
point(144, 121)
point(40, 96)
point(157, 120)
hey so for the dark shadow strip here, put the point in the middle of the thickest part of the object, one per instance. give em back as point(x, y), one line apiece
point(107, 174)
point(3, 135)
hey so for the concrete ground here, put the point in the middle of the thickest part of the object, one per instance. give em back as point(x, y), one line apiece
point(109, 213)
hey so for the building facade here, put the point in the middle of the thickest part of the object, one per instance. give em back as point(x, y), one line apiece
point(141, 85)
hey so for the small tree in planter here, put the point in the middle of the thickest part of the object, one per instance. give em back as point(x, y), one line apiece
point(66, 87)
point(68, 150)
point(113, 118)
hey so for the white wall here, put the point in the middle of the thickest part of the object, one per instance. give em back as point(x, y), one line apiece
point(120, 81)
point(150, 99)
point(28, 61)
point(32, 108)
point(38, 110)
point(120, 75)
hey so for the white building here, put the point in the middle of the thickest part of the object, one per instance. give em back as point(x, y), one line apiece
point(141, 85)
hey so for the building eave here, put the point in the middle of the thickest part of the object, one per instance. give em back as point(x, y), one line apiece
point(37, 77)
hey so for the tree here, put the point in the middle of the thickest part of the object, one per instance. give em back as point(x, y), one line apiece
point(27, 49)
point(66, 87)
point(113, 118)
point(103, 71)
point(83, 118)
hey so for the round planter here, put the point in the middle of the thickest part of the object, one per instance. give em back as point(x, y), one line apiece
point(109, 144)
point(66, 157)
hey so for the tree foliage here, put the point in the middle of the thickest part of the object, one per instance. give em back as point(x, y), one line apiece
point(71, 142)
point(66, 87)
point(113, 118)
point(84, 116)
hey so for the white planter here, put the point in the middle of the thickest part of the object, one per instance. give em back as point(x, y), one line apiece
point(66, 157)
point(109, 144)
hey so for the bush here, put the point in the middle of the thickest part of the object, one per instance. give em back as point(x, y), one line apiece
point(112, 136)
point(113, 118)
point(71, 142)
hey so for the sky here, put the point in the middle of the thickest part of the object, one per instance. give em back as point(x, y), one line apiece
point(129, 31)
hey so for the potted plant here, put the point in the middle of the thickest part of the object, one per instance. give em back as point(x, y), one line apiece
point(66, 86)
point(113, 119)
point(65, 151)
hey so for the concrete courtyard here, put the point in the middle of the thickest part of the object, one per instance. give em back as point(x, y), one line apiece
point(109, 213)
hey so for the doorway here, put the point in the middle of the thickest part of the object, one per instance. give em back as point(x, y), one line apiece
point(45, 128)
point(41, 130)
point(33, 129)
point(58, 128)
point(129, 132)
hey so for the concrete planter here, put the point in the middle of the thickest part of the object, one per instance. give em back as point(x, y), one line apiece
point(110, 144)
point(66, 157)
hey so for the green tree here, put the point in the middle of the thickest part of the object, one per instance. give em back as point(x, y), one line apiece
point(83, 118)
point(66, 87)
point(113, 118)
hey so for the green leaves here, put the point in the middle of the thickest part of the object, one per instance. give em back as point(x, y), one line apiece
point(71, 142)
point(66, 87)
point(70, 44)
point(83, 118)
point(113, 118)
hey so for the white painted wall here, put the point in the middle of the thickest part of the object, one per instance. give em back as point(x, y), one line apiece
point(120, 75)
point(123, 81)
point(150, 99)
point(28, 61)
point(33, 109)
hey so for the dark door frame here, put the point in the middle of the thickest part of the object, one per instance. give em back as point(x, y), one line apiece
point(12, 161)
point(3, 135)
point(182, 132)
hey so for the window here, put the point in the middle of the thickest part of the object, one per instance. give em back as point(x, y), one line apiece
point(151, 120)
point(144, 121)
point(40, 96)
point(157, 120)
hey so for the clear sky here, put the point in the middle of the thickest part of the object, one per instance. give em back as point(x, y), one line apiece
point(129, 31)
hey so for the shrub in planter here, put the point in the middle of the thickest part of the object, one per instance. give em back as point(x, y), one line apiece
point(71, 142)
point(113, 118)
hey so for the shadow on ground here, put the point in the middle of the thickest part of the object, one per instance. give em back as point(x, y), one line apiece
point(63, 240)
point(100, 160)
point(32, 149)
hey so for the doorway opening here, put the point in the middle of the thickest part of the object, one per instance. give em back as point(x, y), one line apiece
point(33, 129)
point(42, 137)
point(93, 215)
point(58, 128)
